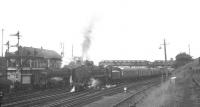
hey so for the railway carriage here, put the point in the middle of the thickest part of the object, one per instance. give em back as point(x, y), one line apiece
point(84, 76)
point(130, 74)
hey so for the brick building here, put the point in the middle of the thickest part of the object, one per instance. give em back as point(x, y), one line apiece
point(2, 67)
point(27, 65)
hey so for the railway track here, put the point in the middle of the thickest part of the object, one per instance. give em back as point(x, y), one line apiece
point(136, 97)
point(60, 98)
point(43, 98)
point(14, 98)
point(90, 97)
point(39, 97)
point(196, 80)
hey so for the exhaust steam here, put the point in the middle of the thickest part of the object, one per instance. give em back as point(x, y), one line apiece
point(94, 83)
point(73, 89)
point(86, 42)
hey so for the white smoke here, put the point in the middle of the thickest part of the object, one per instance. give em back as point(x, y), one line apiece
point(73, 89)
point(70, 80)
point(94, 83)
point(87, 41)
point(86, 46)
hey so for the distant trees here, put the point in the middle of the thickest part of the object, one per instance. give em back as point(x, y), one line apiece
point(182, 59)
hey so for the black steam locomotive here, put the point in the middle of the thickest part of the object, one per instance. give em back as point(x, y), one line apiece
point(89, 75)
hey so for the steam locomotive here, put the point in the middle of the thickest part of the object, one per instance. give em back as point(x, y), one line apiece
point(89, 75)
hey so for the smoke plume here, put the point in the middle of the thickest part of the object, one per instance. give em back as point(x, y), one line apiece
point(94, 83)
point(86, 42)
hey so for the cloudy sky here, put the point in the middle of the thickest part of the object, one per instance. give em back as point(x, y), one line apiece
point(122, 29)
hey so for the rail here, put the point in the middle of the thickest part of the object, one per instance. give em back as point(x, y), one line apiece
point(82, 100)
point(134, 99)
point(29, 101)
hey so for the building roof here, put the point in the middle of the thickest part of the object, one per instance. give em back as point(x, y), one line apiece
point(36, 52)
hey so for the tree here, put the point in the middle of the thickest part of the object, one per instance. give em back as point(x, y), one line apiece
point(182, 59)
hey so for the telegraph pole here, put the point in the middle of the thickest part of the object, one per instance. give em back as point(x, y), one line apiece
point(72, 51)
point(165, 51)
point(2, 43)
point(165, 54)
point(189, 48)
point(62, 48)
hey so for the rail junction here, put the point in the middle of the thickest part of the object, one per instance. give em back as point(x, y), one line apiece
point(61, 98)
